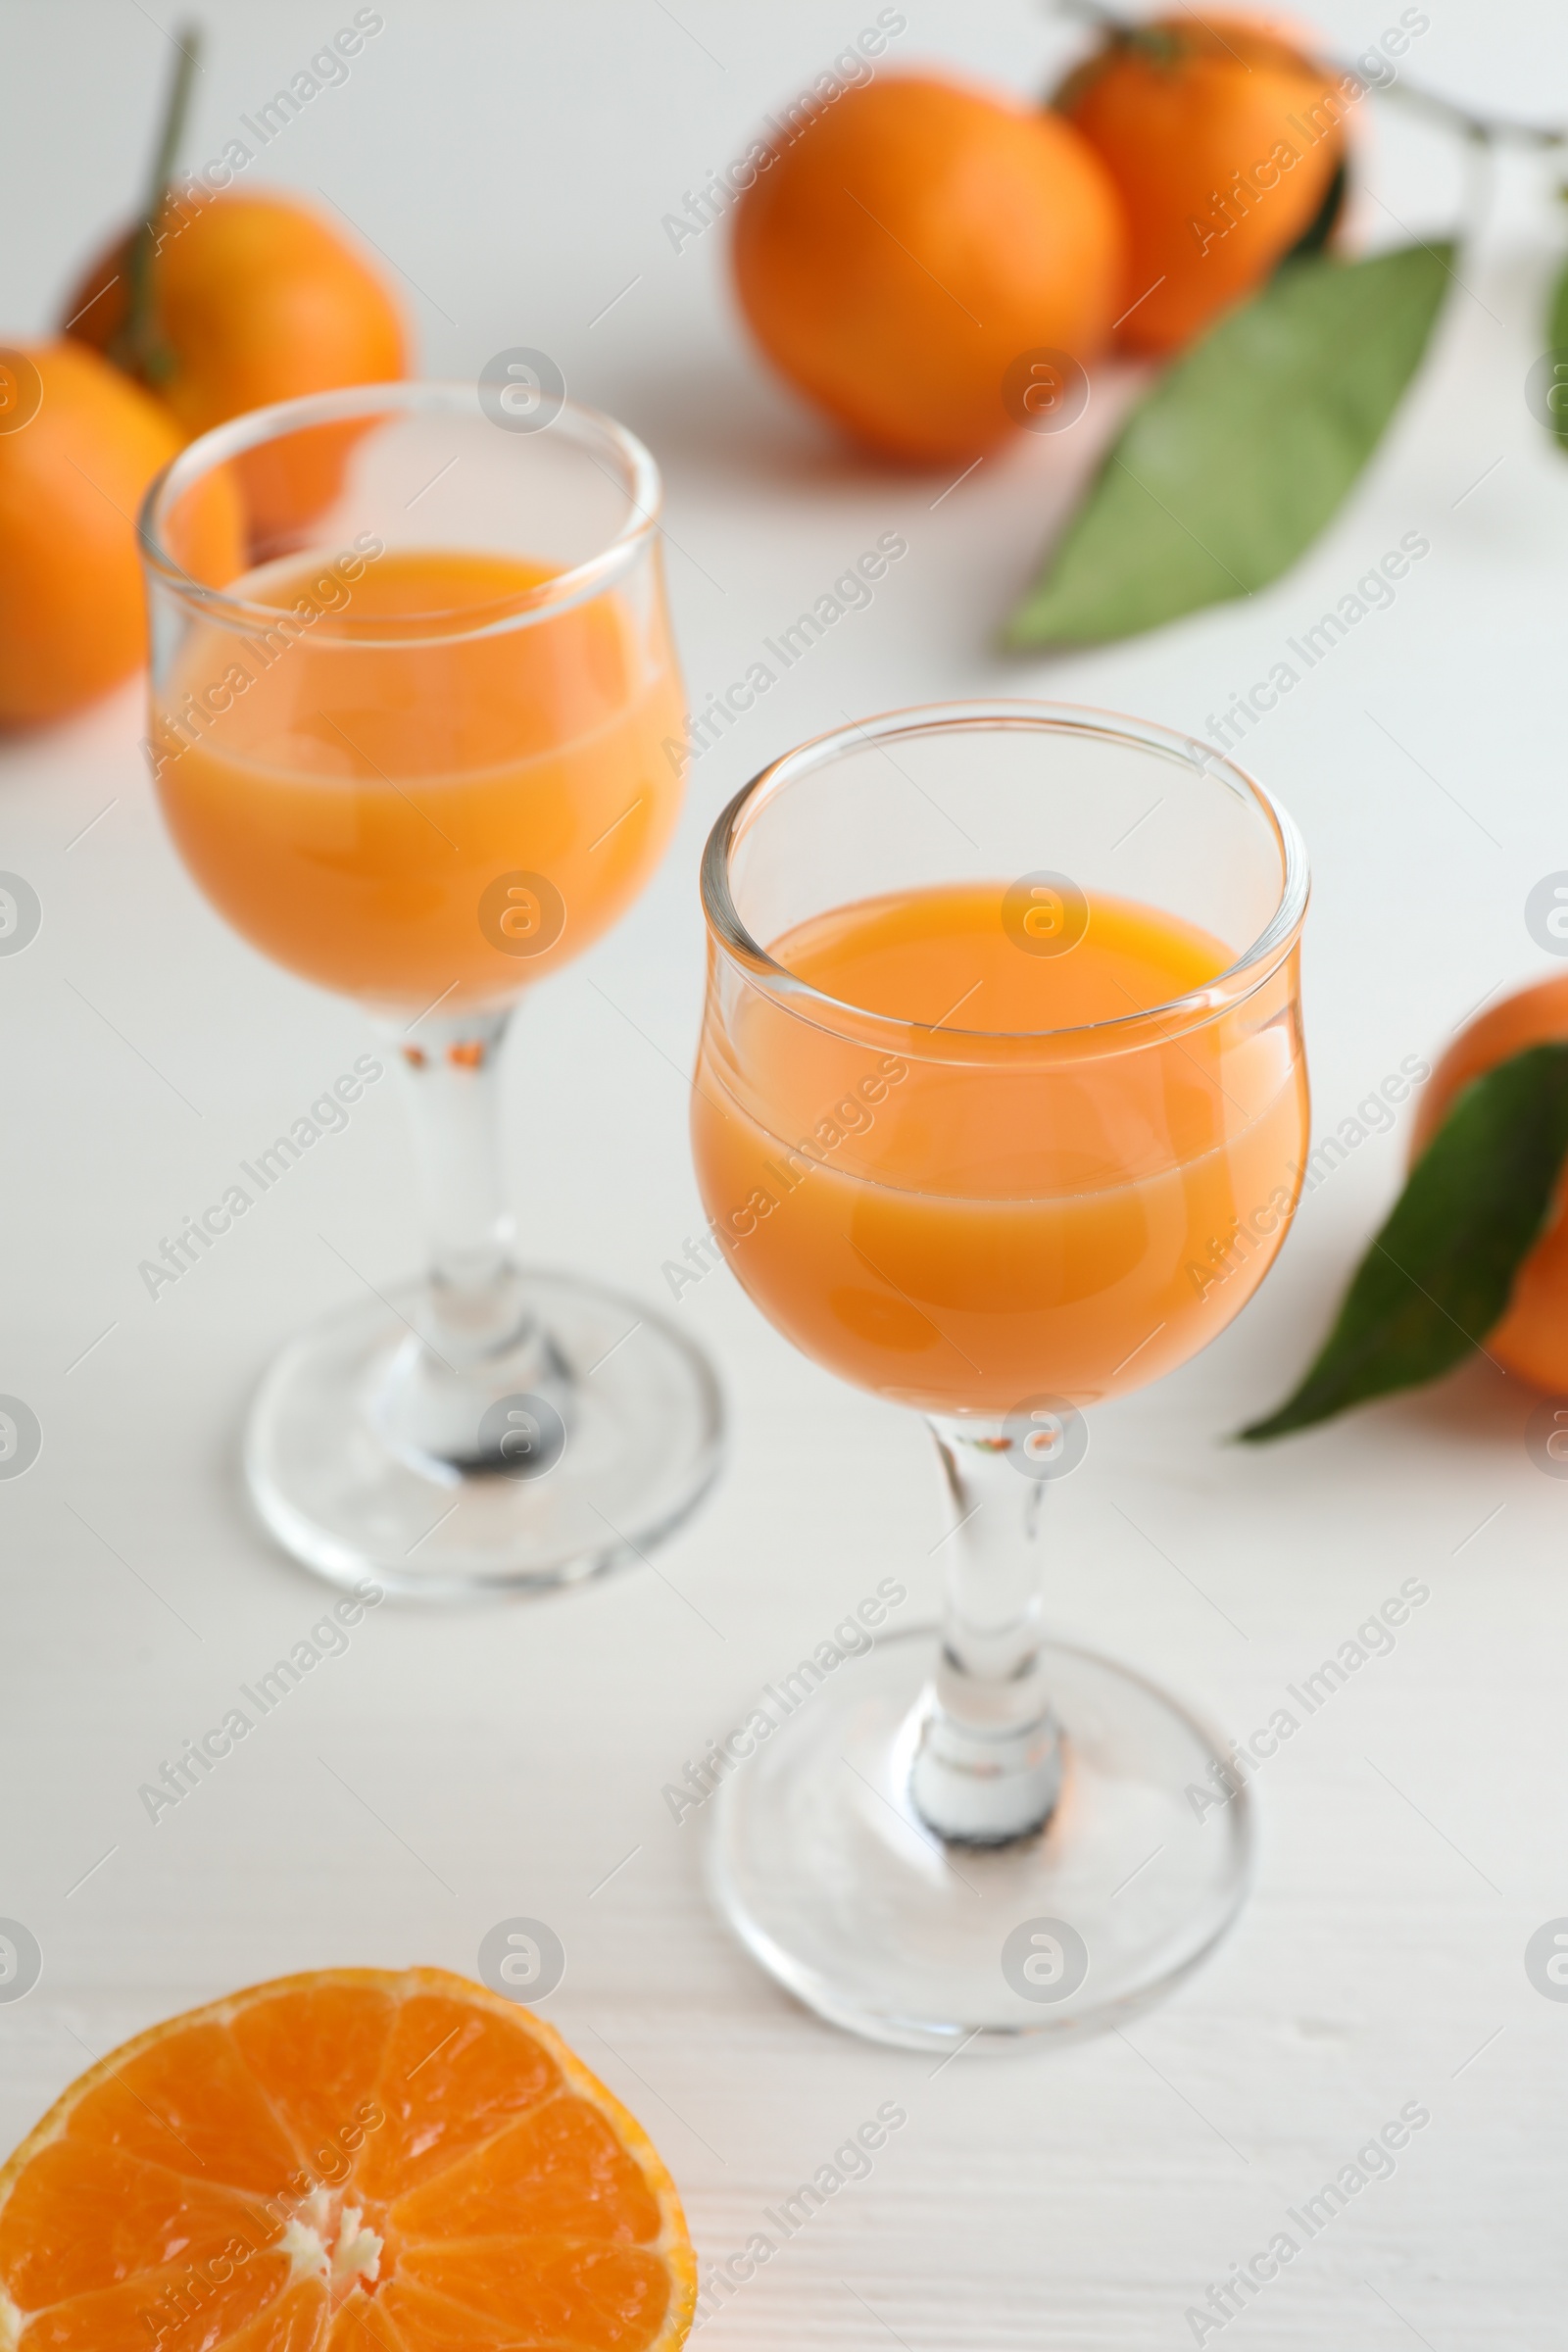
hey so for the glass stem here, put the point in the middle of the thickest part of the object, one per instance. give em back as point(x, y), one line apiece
point(988, 1761)
point(472, 1312)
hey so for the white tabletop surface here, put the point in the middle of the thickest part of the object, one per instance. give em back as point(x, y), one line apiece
point(451, 1770)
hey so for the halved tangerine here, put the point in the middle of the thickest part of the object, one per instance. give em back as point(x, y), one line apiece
point(349, 2161)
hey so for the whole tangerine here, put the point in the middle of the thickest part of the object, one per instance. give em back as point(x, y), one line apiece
point(253, 300)
point(72, 615)
point(914, 243)
point(1223, 140)
point(1532, 1339)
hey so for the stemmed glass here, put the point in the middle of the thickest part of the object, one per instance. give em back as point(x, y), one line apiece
point(415, 729)
point(1000, 1109)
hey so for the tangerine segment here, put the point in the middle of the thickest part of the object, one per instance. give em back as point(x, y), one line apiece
point(364, 2324)
point(317, 2050)
point(561, 2292)
point(294, 2324)
point(188, 2103)
point(561, 2170)
point(420, 2322)
point(528, 2208)
point(154, 2309)
point(83, 2217)
point(454, 2074)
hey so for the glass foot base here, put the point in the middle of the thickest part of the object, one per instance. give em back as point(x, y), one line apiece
point(570, 1456)
point(828, 1875)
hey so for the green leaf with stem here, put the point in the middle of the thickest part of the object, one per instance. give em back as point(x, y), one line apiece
point(1438, 1277)
point(1230, 467)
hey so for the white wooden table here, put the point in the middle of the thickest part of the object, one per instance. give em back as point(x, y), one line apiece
point(450, 1771)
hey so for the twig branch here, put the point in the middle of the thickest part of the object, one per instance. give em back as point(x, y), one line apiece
point(138, 346)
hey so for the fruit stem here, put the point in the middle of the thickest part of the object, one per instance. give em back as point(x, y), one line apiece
point(1486, 129)
point(138, 347)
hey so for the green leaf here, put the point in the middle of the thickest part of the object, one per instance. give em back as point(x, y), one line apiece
point(1437, 1276)
point(1556, 341)
point(1244, 449)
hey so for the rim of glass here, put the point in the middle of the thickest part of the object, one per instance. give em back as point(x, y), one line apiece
point(1250, 970)
point(255, 427)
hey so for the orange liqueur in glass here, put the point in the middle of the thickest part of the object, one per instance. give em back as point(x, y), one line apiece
point(959, 1235)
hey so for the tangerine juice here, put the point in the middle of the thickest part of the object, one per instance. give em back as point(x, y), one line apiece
point(397, 794)
point(989, 1213)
